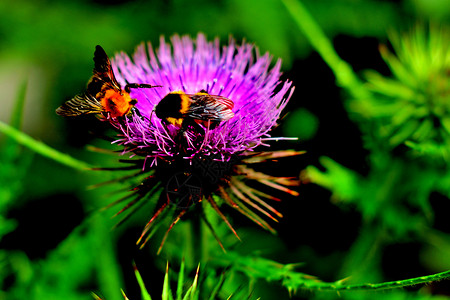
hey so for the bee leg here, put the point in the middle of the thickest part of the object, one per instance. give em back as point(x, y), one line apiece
point(121, 121)
point(182, 141)
point(130, 86)
point(103, 116)
point(195, 126)
point(198, 129)
point(138, 113)
point(178, 139)
point(206, 135)
point(165, 125)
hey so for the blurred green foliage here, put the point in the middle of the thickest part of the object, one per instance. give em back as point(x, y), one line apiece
point(301, 123)
point(401, 196)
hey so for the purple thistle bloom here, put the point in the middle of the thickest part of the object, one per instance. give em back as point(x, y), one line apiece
point(195, 66)
point(211, 161)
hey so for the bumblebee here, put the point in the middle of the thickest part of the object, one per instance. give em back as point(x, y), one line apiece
point(104, 95)
point(181, 109)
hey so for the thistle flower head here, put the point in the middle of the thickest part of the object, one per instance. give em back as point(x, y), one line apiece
point(192, 67)
point(413, 106)
point(197, 150)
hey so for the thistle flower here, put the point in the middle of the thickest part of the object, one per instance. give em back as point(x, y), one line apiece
point(202, 162)
point(412, 107)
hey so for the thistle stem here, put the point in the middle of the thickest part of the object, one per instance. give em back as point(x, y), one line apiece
point(381, 286)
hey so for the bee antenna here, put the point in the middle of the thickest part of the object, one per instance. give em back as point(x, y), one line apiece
point(151, 114)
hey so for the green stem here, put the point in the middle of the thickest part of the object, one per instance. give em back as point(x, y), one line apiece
point(264, 269)
point(343, 72)
point(383, 285)
point(42, 148)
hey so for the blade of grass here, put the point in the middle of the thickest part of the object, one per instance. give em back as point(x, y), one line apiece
point(17, 115)
point(12, 151)
point(344, 74)
point(42, 148)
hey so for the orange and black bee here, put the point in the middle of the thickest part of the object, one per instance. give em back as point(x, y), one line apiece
point(104, 95)
point(182, 110)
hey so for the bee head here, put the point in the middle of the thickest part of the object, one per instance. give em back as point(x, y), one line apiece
point(169, 106)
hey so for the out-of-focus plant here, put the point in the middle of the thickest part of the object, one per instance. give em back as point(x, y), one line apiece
point(14, 163)
point(410, 109)
point(41, 279)
point(404, 121)
point(413, 106)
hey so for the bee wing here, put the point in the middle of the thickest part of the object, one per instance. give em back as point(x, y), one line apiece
point(210, 107)
point(79, 105)
point(103, 73)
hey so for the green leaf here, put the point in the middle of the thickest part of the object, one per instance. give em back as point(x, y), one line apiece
point(215, 292)
point(446, 124)
point(403, 132)
point(6, 226)
point(388, 87)
point(343, 182)
point(301, 123)
point(424, 130)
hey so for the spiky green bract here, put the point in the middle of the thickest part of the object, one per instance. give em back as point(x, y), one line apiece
point(166, 292)
point(144, 293)
point(191, 293)
point(180, 281)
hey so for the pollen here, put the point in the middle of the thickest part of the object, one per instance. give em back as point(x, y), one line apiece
point(175, 121)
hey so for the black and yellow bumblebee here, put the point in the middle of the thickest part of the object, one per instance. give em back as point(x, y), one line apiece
point(104, 95)
point(181, 109)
